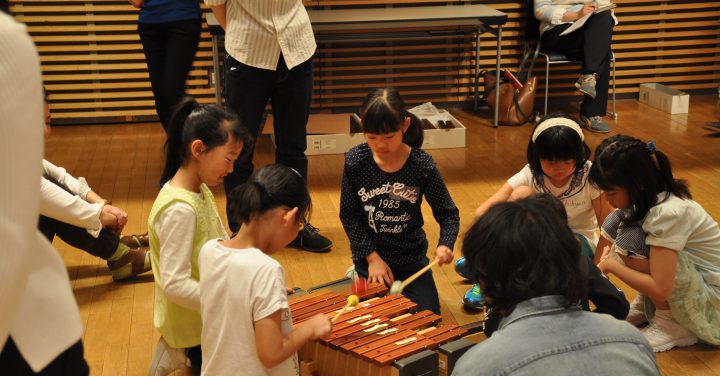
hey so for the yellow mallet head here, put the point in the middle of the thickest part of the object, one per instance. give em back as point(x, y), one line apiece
point(353, 300)
point(396, 287)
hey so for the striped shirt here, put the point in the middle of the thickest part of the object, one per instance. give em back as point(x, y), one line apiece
point(258, 31)
point(550, 12)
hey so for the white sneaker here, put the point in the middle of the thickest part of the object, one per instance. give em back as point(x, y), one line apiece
point(637, 316)
point(664, 334)
point(167, 359)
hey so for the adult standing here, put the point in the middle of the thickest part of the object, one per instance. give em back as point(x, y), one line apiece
point(269, 47)
point(590, 43)
point(40, 327)
point(170, 32)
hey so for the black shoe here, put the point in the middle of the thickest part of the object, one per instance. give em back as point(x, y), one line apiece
point(310, 240)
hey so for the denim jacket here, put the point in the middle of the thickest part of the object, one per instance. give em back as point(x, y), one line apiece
point(542, 337)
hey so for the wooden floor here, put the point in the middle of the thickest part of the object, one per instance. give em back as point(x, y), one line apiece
point(123, 163)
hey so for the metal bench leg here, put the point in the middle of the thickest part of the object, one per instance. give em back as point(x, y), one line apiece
point(547, 83)
point(613, 114)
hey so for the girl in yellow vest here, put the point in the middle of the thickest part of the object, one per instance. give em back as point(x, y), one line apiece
point(203, 142)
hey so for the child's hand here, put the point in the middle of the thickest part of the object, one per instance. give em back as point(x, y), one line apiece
point(320, 326)
point(587, 9)
point(121, 215)
point(605, 263)
point(378, 270)
point(445, 254)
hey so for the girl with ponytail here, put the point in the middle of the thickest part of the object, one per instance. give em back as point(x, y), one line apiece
point(247, 327)
point(676, 269)
point(383, 184)
point(203, 143)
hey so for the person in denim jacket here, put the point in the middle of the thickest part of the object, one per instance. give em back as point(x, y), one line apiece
point(525, 259)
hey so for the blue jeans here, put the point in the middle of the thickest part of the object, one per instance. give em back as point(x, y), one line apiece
point(422, 291)
point(247, 91)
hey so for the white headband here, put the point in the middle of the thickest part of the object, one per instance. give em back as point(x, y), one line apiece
point(555, 122)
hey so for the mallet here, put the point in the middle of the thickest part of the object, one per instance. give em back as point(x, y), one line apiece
point(352, 301)
point(398, 286)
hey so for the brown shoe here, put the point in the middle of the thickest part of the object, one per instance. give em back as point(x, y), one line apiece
point(134, 241)
point(136, 258)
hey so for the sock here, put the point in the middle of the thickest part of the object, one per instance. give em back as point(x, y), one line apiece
point(121, 251)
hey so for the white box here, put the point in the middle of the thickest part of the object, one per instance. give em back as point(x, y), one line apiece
point(664, 98)
point(330, 134)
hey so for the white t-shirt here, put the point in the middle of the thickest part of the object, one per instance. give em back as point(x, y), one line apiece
point(684, 226)
point(237, 288)
point(577, 199)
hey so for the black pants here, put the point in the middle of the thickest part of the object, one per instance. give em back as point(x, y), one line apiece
point(169, 50)
point(104, 246)
point(247, 91)
point(421, 291)
point(591, 44)
point(70, 363)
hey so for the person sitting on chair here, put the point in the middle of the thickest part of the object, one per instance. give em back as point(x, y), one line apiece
point(590, 43)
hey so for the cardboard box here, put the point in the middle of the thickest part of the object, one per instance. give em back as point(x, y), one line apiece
point(664, 98)
point(330, 134)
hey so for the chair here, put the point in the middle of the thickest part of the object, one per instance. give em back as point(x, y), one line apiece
point(533, 46)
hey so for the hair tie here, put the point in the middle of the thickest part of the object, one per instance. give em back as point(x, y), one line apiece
point(651, 147)
point(556, 122)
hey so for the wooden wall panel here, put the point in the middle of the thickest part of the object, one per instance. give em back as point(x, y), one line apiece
point(94, 68)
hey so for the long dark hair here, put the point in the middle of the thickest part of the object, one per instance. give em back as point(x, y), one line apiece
point(522, 250)
point(193, 121)
point(627, 162)
point(383, 111)
point(557, 143)
point(271, 186)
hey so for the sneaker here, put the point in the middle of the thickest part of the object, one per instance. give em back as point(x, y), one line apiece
point(167, 359)
point(461, 268)
point(586, 84)
point(664, 334)
point(637, 316)
point(594, 124)
point(310, 240)
point(474, 298)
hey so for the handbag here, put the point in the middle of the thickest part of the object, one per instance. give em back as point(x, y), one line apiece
point(515, 106)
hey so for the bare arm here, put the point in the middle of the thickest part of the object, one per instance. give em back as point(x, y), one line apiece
point(502, 195)
point(602, 208)
point(220, 12)
point(658, 285)
point(273, 347)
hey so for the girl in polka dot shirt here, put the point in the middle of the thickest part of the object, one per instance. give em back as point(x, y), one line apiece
point(384, 181)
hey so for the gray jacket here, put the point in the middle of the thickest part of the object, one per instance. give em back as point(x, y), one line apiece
point(541, 337)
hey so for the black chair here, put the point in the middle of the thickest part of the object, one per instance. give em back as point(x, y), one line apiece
point(533, 46)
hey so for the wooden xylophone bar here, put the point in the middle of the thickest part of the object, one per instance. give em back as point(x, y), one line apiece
point(381, 336)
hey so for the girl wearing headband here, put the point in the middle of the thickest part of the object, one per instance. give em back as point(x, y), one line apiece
point(558, 164)
point(679, 278)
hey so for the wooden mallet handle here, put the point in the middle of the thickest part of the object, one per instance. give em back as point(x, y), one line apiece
point(418, 274)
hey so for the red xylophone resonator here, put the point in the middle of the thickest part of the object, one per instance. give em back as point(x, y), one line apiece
point(383, 335)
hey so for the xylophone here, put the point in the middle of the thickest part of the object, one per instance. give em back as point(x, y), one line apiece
point(381, 336)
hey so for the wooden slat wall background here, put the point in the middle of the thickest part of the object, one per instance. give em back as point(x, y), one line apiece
point(94, 68)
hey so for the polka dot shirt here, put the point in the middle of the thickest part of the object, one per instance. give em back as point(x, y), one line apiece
point(381, 211)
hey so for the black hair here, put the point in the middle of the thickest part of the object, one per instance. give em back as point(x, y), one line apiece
point(4, 6)
point(193, 121)
point(558, 143)
point(271, 186)
point(627, 162)
point(383, 111)
point(553, 203)
point(521, 250)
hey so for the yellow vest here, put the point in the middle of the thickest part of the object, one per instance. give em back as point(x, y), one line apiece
point(181, 327)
